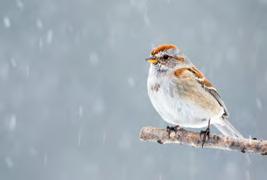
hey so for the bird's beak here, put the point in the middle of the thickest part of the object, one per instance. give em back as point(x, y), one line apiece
point(152, 60)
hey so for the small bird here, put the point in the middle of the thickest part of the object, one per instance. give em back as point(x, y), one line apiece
point(182, 95)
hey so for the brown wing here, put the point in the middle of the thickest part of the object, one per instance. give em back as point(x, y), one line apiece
point(205, 84)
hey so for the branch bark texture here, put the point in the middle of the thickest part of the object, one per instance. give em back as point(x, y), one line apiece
point(182, 136)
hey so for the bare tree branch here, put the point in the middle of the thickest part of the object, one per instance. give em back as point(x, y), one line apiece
point(182, 136)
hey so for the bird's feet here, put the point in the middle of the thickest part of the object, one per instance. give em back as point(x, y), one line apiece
point(206, 134)
point(171, 129)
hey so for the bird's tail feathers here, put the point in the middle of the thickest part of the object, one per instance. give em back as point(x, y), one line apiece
point(227, 129)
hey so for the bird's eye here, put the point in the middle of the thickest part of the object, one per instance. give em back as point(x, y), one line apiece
point(165, 56)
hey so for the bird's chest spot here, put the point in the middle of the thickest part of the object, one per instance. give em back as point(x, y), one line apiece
point(155, 87)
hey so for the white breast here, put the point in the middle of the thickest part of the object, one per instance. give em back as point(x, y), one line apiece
point(170, 106)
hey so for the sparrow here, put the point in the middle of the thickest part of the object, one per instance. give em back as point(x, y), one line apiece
point(182, 95)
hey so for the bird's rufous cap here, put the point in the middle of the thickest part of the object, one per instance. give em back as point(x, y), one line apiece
point(161, 48)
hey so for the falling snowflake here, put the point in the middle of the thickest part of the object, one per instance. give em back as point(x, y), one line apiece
point(80, 111)
point(6, 22)
point(45, 159)
point(131, 81)
point(99, 106)
point(39, 24)
point(79, 137)
point(20, 4)
point(13, 62)
point(93, 57)
point(27, 71)
point(104, 137)
point(12, 123)
point(9, 162)
point(49, 36)
point(259, 103)
point(33, 151)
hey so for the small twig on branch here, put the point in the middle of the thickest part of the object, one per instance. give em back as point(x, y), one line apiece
point(182, 136)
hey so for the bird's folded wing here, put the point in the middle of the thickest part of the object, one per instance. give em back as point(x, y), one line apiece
point(199, 76)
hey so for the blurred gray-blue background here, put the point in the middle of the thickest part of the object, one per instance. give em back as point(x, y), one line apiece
point(73, 86)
